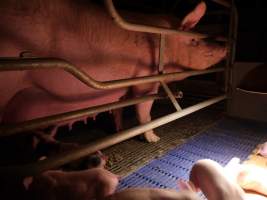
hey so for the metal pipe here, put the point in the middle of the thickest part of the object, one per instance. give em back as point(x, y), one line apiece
point(171, 96)
point(232, 48)
point(11, 129)
point(61, 159)
point(56, 63)
point(161, 54)
point(144, 28)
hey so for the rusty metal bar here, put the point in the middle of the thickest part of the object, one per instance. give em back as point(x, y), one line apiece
point(61, 159)
point(144, 28)
point(8, 130)
point(56, 63)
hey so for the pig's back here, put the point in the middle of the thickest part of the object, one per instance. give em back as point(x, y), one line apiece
point(81, 34)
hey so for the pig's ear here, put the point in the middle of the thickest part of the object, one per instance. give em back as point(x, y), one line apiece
point(27, 182)
point(193, 17)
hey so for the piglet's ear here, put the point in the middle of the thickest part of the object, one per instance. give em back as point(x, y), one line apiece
point(27, 182)
point(193, 17)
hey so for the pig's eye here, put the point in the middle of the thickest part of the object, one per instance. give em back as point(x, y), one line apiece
point(194, 42)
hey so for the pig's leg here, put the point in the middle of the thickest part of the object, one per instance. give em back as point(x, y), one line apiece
point(143, 109)
point(210, 178)
point(143, 115)
point(117, 115)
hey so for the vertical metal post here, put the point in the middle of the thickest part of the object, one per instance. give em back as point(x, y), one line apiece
point(160, 70)
point(161, 53)
point(232, 48)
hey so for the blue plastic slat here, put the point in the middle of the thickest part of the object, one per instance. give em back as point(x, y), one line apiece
point(227, 139)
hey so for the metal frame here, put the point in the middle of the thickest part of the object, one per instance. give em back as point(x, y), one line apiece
point(51, 63)
point(151, 29)
point(56, 63)
point(25, 127)
point(61, 159)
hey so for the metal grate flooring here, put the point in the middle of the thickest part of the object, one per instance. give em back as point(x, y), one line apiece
point(226, 139)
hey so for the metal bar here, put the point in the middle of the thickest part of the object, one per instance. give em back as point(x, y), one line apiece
point(144, 28)
point(223, 3)
point(232, 45)
point(56, 63)
point(171, 96)
point(8, 130)
point(59, 160)
point(161, 53)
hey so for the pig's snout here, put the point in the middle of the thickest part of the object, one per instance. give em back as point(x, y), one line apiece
point(96, 160)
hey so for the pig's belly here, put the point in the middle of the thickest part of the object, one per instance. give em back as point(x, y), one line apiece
point(67, 87)
point(31, 103)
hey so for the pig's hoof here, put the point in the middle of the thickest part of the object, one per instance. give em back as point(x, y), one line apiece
point(151, 137)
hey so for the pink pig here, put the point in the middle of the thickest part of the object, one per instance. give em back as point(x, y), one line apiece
point(263, 149)
point(85, 35)
point(206, 176)
point(88, 184)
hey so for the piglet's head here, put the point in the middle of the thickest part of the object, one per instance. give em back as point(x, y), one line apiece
point(192, 52)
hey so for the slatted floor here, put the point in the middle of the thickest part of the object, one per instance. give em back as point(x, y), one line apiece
point(227, 139)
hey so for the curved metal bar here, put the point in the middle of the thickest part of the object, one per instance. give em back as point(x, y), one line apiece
point(223, 3)
point(59, 160)
point(9, 130)
point(56, 63)
point(145, 28)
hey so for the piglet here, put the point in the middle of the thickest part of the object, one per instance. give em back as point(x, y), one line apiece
point(262, 150)
point(95, 183)
point(152, 194)
point(213, 180)
point(253, 178)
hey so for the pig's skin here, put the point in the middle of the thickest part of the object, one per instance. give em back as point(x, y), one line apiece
point(263, 149)
point(211, 179)
point(152, 194)
point(89, 184)
point(87, 37)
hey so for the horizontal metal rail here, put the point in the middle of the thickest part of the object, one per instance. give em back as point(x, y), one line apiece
point(61, 159)
point(25, 127)
point(145, 28)
point(56, 63)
